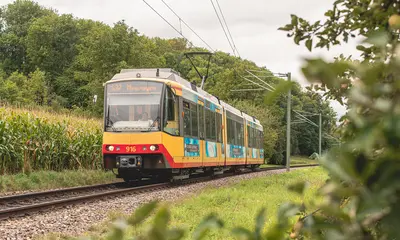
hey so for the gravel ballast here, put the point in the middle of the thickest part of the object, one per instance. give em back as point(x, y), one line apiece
point(75, 220)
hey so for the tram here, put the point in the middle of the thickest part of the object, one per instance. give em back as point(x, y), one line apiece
point(157, 124)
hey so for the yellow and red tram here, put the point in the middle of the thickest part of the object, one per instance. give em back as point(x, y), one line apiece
point(159, 124)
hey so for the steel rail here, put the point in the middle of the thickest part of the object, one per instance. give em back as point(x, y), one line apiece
point(22, 210)
point(57, 191)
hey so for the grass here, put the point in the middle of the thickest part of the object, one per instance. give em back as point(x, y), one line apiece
point(299, 160)
point(294, 160)
point(237, 204)
point(43, 180)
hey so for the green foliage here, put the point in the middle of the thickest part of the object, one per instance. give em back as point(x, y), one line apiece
point(51, 43)
point(18, 88)
point(47, 142)
point(361, 199)
point(276, 158)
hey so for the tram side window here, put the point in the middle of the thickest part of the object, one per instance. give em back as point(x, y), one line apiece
point(239, 140)
point(255, 138)
point(249, 138)
point(201, 122)
point(171, 115)
point(259, 139)
point(207, 114)
point(230, 125)
point(256, 141)
point(210, 125)
point(186, 119)
point(193, 116)
point(219, 127)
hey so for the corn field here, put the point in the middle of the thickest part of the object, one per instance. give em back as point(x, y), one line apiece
point(38, 140)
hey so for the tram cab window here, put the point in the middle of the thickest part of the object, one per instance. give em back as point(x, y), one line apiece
point(133, 106)
point(171, 114)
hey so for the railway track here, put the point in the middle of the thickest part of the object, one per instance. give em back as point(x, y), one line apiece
point(20, 205)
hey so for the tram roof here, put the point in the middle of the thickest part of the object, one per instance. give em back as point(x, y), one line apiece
point(170, 74)
point(163, 73)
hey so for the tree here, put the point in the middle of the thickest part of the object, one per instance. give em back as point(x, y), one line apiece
point(15, 19)
point(51, 43)
point(36, 88)
point(8, 91)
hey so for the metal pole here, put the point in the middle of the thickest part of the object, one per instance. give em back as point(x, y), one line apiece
point(320, 133)
point(288, 126)
point(202, 82)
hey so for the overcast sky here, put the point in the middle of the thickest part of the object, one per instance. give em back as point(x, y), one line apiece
point(253, 24)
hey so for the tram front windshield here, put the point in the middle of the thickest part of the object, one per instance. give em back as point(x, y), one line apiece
point(133, 106)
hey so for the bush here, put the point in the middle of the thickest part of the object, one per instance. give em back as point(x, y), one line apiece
point(276, 158)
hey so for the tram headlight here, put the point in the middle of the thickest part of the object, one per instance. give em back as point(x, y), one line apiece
point(110, 148)
point(153, 147)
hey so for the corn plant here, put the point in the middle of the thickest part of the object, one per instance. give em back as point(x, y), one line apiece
point(39, 140)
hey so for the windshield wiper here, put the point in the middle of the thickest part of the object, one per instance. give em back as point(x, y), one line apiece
point(108, 121)
point(152, 125)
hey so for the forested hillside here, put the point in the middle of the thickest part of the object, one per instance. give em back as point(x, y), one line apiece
point(60, 61)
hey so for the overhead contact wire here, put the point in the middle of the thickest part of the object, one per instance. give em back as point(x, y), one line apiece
point(223, 17)
point(223, 28)
point(167, 22)
point(187, 25)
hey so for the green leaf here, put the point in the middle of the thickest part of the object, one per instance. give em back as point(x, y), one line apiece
point(287, 27)
point(361, 48)
point(298, 187)
point(294, 19)
point(176, 234)
point(281, 88)
point(378, 38)
point(287, 210)
point(118, 230)
point(309, 44)
point(142, 213)
point(260, 222)
point(242, 233)
point(297, 39)
point(161, 219)
point(209, 223)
